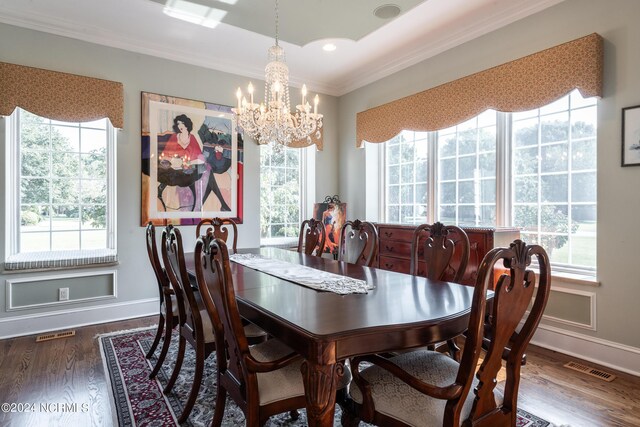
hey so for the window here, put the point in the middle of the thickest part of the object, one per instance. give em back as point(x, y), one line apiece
point(62, 213)
point(535, 170)
point(284, 189)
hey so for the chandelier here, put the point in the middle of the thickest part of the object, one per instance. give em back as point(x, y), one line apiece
point(272, 121)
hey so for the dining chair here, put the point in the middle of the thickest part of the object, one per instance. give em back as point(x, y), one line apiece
point(221, 228)
point(194, 324)
point(445, 251)
point(168, 317)
point(264, 379)
point(312, 237)
point(358, 243)
point(428, 388)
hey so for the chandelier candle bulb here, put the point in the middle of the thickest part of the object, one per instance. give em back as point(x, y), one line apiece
point(316, 100)
point(250, 89)
point(304, 94)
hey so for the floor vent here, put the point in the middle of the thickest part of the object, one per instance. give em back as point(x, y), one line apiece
point(605, 376)
point(47, 337)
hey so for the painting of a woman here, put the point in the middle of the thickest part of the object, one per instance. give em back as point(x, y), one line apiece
point(184, 148)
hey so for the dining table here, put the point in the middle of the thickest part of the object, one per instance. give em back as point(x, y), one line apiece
point(399, 312)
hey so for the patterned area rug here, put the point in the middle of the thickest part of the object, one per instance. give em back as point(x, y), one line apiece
point(138, 401)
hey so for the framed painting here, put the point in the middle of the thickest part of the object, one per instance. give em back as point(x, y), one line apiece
point(333, 214)
point(192, 161)
point(631, 136)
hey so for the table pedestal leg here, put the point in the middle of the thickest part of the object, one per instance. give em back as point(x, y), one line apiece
point(320, 384)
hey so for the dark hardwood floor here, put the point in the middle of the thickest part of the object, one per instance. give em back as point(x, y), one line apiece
point(67, 371)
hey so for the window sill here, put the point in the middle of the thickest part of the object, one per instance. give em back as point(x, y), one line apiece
point(577, 279)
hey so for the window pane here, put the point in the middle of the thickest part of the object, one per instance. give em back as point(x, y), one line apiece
point(280, 213)
point(53, 215)
point(447, 169)
point(554, 158)
point(554, 188)
point(554, 128)
point(526, 217)
point(583, 154)
point(34, 190)
point(525, 160)
point(564, 221)
point(94, 239)
point(583, 187)
point(406, 203)
point(34, 163)
point(467, 167)
point(65, 240)
point(476, 158)
point(525, 132)
point(34, 242)
point(65, 138)
point(65, 164)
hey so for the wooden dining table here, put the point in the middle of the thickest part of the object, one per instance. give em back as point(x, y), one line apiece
point(401, 312)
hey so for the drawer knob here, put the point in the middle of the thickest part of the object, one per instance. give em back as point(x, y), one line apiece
point(388, 265)
point(388, 248)
point(388, 233)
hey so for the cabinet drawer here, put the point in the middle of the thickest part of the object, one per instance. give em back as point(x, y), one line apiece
point(395, 264)
point(395, 248)
point(395, 233)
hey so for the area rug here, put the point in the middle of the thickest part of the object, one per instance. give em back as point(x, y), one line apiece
point(138, 401)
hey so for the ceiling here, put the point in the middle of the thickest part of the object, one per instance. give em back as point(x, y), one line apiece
point(368, 47)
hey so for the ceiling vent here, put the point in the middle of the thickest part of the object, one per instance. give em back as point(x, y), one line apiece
point(387, 11)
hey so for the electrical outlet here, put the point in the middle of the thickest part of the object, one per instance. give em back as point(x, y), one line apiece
point(63, 294)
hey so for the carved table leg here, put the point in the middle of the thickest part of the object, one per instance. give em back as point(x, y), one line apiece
point(320, 383)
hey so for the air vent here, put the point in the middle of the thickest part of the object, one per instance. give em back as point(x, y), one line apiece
point(47, 337)
point(387, 11)
point(605, 376)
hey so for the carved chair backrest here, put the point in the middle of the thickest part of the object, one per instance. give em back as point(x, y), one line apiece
point(358, 243)
point(513, 294)
point(152, 250)
point(221, 228)
point(173, 256)
point(214, 272)
point(312, 237)
point(437, 244)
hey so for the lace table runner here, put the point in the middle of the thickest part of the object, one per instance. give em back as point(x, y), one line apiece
point(306, 276)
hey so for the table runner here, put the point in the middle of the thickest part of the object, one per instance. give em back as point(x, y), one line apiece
point(303, 275)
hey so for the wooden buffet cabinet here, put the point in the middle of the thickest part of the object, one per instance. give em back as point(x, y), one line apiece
point(394, 247)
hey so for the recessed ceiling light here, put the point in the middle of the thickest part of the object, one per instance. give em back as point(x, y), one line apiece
point(387, 11)
point(329, 47)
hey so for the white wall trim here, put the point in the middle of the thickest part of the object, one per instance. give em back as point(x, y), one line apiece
point(592, 309)
point(72, 318)
point(614, 355)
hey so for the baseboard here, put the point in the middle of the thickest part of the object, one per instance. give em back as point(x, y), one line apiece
point(30, 324)
point(617, 356)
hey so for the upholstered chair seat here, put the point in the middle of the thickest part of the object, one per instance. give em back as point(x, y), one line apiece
point(415, 408)
point(284, 383)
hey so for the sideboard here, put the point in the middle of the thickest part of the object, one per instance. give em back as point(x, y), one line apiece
point(394, 247)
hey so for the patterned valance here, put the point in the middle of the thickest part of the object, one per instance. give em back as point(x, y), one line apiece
point(524, 84)
point(60, 96)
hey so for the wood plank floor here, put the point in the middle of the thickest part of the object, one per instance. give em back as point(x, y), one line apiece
point(67, 371)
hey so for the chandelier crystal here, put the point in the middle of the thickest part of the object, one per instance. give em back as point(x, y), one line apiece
point(272, 121)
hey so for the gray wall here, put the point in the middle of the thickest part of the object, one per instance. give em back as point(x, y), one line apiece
point(618, 293)
point(144, 73)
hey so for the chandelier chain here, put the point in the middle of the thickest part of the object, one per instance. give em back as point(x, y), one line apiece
point(273, 122)
point(277, 22)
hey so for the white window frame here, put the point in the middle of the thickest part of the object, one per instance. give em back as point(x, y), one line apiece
point(12, 200)
point(375, 183)
point(307, 195)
